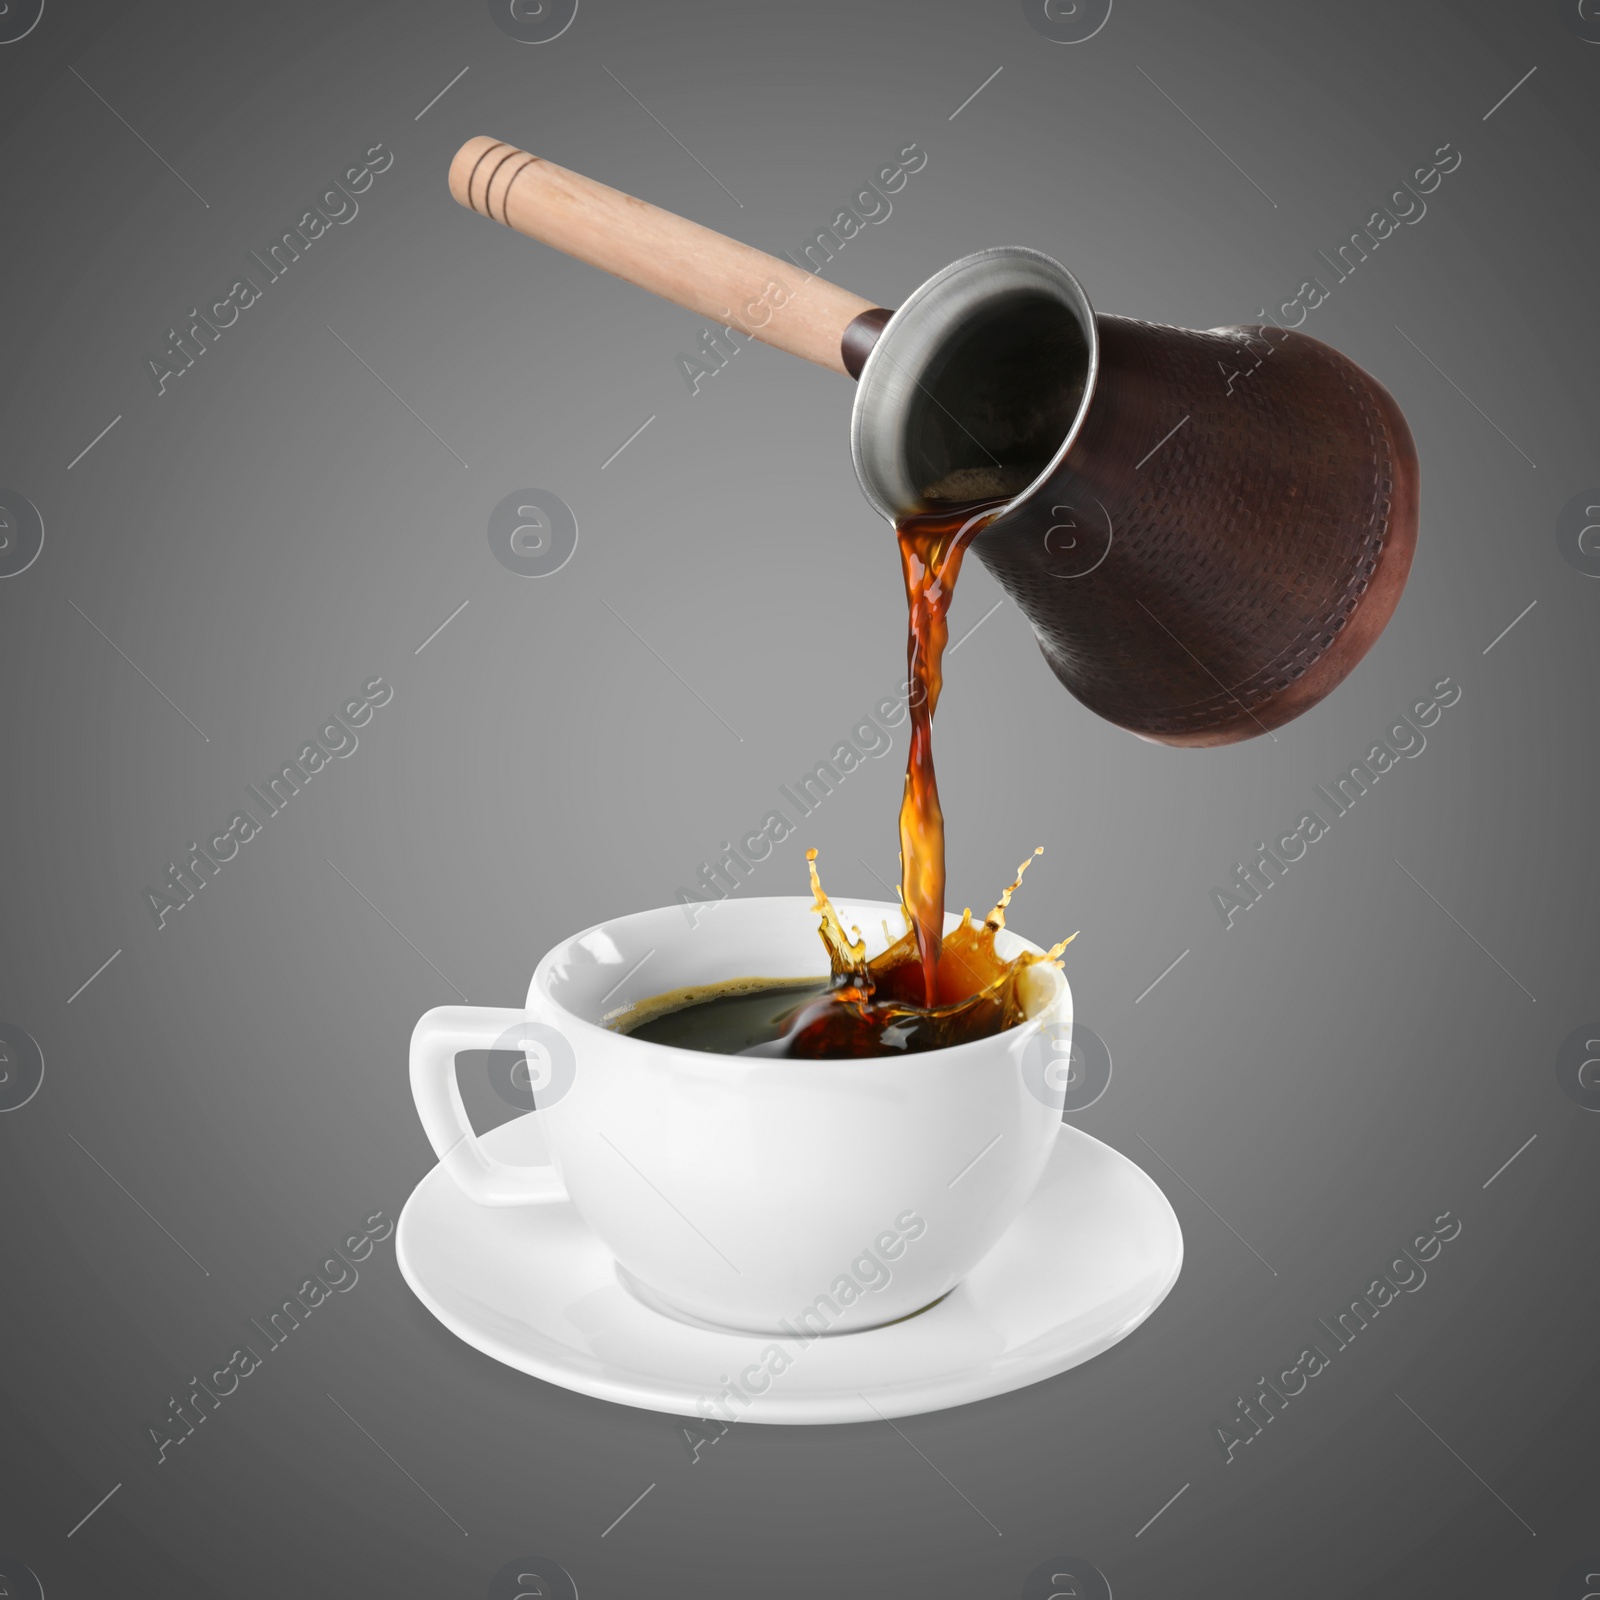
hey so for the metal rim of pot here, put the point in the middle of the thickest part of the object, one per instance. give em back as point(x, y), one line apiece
point(997, 352)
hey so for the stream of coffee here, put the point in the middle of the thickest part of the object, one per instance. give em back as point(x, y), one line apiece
point(932, 545)
point(925, 990)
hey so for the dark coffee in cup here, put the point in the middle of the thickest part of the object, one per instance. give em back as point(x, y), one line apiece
point(728, 1019)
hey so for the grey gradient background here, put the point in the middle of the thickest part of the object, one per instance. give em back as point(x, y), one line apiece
point(1332, 1072)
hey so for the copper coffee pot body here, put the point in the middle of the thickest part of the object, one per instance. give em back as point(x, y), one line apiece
point(1219, 523)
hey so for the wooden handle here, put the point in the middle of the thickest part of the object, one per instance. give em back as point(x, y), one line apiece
point(740, 288)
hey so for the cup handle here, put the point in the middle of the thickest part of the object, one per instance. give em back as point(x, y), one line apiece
point(435, 1042)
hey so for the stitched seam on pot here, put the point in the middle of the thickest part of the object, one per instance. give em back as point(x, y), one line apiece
point(1269, 680)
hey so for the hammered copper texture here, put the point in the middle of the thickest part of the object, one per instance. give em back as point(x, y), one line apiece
point(1254, 555)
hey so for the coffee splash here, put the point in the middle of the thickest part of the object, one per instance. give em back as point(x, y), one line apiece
point(864, 1007)
point(876, 1007)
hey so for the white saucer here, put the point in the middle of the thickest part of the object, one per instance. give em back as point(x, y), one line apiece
point(1092, 1255)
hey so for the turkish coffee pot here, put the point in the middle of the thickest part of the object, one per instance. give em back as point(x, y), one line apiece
point(1207, 530)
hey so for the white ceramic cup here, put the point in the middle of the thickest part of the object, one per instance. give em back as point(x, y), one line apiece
point(753, 1193)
